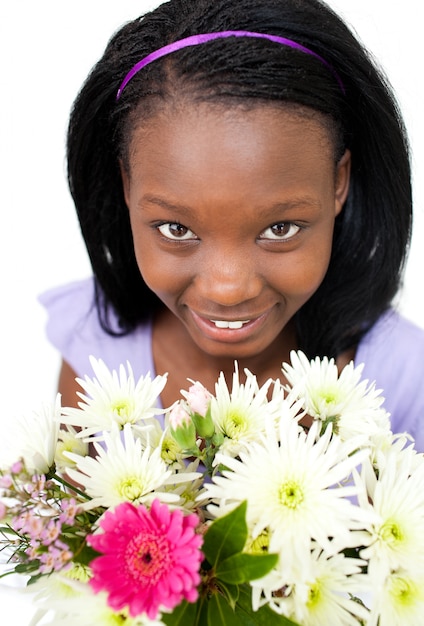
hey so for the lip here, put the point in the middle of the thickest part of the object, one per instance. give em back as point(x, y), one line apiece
point(228, 335)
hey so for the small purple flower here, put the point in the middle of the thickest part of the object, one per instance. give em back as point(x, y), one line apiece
point(70, 509)
point(50, 533)
point(17, 467)
point(6, 481)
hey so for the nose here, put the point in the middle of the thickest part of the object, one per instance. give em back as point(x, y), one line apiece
point(229, 278)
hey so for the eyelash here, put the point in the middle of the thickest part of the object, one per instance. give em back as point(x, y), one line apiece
point(193, 237)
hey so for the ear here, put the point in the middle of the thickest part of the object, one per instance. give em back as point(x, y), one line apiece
point(125, 176)
point(342, 181)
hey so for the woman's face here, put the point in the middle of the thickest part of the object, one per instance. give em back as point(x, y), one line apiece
point(232, 214)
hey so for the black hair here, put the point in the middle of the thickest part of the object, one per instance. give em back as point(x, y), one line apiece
point(372, 233)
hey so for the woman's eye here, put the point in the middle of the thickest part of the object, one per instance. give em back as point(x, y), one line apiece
point(175, 231)
point(281, 231)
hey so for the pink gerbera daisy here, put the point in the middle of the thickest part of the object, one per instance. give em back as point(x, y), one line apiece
point(150, 558)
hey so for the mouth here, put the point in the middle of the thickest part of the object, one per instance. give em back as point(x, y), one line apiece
point(233, 325)
point(229, 331)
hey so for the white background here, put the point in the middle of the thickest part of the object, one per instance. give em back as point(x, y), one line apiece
point(47, 49)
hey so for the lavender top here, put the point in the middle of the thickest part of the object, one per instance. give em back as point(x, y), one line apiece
point(392, 352)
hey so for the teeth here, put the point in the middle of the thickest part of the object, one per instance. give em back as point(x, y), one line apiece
point(232, 325)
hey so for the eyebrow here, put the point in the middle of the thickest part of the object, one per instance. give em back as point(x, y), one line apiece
point(306, 202)
point(181, 208)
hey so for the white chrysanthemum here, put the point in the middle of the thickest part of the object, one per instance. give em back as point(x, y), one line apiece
point(68, 602)
point(68, 442)
point(396, 445)
point(244, 413)
point(317, 591)
point(124, 472)
point(293, 489)
point(351, 404)
point(33, 438)
point(396, 538)
point(325, 598)
point(399, 601)
point(114, 398)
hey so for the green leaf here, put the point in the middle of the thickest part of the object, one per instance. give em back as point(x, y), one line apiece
point(202, 616)
point(241, 568)
point(229, 591)
point(85, 555)
point(226, 535)
point(218, 611)
point(34, 579)
point(262, 617)
point(8, 530)
point(25, 568)
point(185, 614)
point(221, 614)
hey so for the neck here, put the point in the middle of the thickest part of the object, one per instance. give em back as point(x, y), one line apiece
point(174, 352)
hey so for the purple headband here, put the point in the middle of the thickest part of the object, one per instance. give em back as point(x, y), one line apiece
point(194, 40)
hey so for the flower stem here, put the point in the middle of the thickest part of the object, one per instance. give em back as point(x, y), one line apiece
point(65, 483)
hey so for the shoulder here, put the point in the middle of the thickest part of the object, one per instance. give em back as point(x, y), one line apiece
point(393, 356)
point(70, 310)
point(393, 341)
point(63, 295)
point(74, 329)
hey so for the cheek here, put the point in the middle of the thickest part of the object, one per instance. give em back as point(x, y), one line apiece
point(298, 275)
point(162, 274)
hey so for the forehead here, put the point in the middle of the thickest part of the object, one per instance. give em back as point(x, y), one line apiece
point(234, 137)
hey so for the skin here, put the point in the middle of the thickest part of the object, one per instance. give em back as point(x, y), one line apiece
point(232, 213)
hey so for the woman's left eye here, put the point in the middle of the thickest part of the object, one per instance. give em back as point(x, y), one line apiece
point(176, 231)
point(280, 231)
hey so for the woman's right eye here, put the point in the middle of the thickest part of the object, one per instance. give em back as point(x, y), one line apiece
point(176, 231)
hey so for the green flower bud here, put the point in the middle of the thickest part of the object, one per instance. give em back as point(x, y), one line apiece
point(182, 427)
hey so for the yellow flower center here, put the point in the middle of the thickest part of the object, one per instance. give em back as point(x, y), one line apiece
point(330, 396)
point(117, 619)
point(403, 591)
point(260, 544)
point(291, 494)
point(78, 572)
point(391, 533)
point(110, 618)
point(131, 489)
point(124, 409)
point(314, 595)
point(234, 423)
point(170, 451)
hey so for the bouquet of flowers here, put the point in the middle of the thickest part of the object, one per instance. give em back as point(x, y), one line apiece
point(254, 505)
